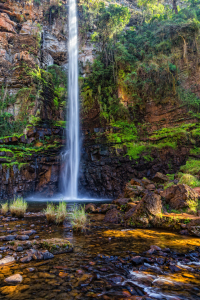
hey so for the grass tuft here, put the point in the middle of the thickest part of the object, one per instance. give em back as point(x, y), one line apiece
point(50, 212)
point(61, 212)
point(79, 219)
point(18, 207)
point(4, 208)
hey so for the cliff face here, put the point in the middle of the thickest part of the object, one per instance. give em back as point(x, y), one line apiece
point(33, 83)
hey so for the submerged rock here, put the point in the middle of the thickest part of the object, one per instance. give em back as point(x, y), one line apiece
point(14, 279)
point(7, 260)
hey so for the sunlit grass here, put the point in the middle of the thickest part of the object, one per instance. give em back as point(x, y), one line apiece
point(50, 212)
point(18, 207)
point(56, 214)
point(79, 219)
point(61, 212)
point(4, 208)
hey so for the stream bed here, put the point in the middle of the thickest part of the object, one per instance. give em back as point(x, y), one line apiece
point(109, 262)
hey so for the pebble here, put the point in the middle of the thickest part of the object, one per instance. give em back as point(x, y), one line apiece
point(22, 237)
point(14, 279)
point(7, 260)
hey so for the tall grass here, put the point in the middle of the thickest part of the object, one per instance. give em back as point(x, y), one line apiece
point(56, 214)
point(18, 207)
point(79, 219)
point(61, 212)
point(50, 212)
point(4, 208)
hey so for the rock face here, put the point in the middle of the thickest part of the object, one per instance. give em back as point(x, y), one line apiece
point(180, 196)
point(146, 212)
point(38, 172)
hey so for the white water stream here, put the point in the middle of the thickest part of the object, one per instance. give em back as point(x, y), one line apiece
point(72, 157)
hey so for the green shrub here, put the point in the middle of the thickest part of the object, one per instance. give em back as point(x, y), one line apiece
point(189, 180)
point(192, 166)
point(18, 207)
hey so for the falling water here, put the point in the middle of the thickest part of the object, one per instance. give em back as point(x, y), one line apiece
point(72, 157)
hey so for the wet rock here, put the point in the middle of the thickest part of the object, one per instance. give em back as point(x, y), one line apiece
point(107, 207)
point(7, 260)
point(146, 182)
point(177, 196)
point(135, 181)
point(47, 255)
point(184, 232)
point(150, 187)
point(147, 211)
point(113, 216)
point(26, 259)
point(174, 268)
point(194, 230)
point(22, 237)
point(130, 212)
point(116, 279)
point(133, 191)
point(153, 249)
point(90, 208)
point(160, 178)
point(137, 260)
point(122, 201)
point(19, 249)
point(14, 279)
point(8, 238)
point(28, 232)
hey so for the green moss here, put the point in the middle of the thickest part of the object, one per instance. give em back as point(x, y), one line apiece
point(192, 167)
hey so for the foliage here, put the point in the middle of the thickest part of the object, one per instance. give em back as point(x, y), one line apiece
point(192, 167)
point(79, 219)
point(189, 180)
point(192, 205)
point(18, 207)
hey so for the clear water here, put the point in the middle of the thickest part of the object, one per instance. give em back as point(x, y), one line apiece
point(72, 157)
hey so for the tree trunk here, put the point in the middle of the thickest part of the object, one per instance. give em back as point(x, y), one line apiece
point(175, 7)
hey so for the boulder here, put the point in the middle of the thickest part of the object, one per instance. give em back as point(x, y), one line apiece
point(113, 216)
point(106, 207)
point(147, 211)
point(135, 181)
point(146, 182)
point(150, 187)
point(180, 196)
point(160, 178)
point(90, 208)
point(122, 201)
point(133, 191)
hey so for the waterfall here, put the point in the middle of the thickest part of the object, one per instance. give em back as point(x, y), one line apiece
point(72, 156)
